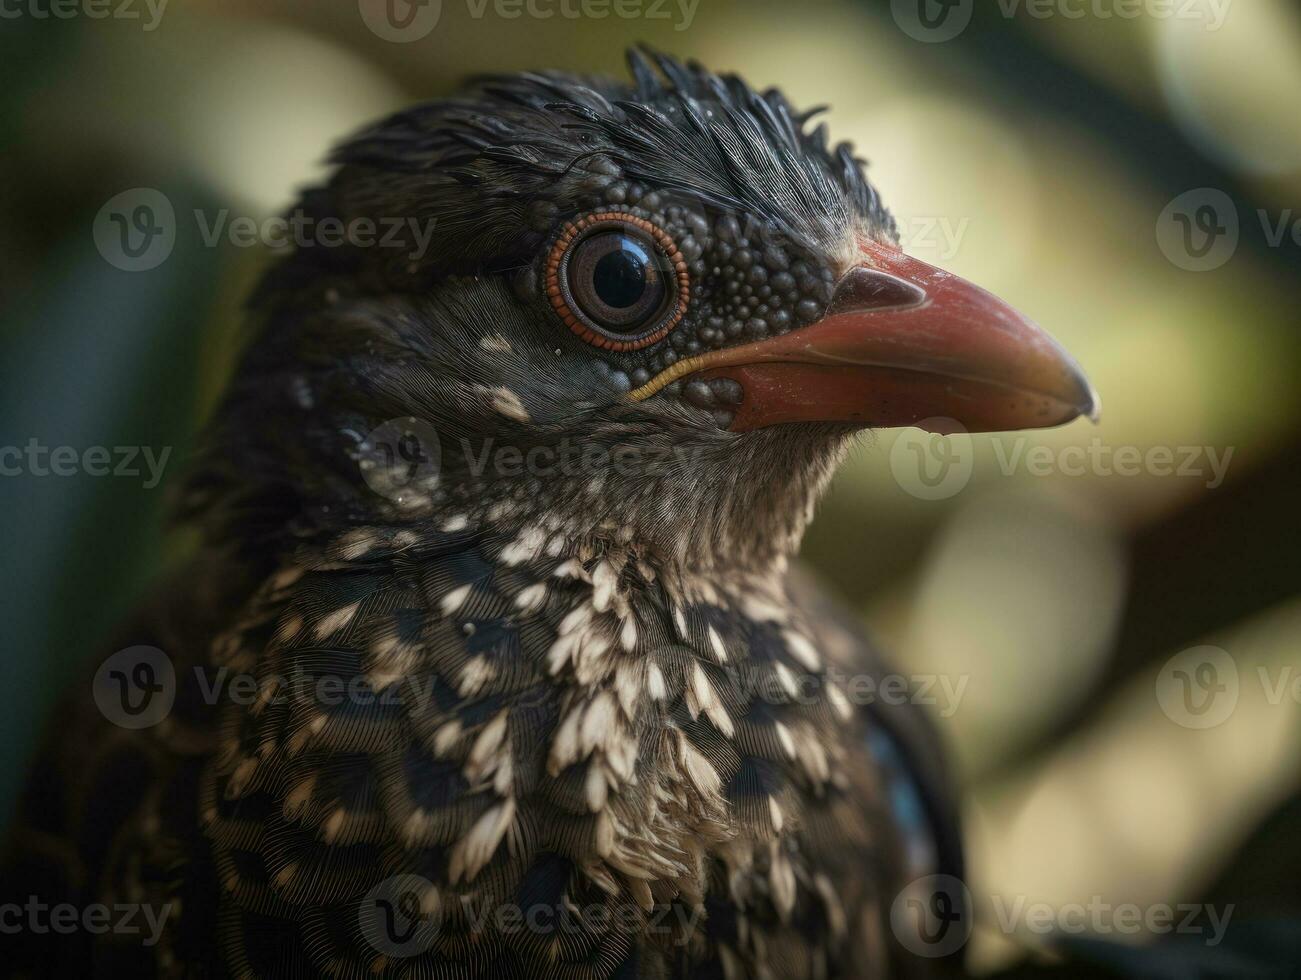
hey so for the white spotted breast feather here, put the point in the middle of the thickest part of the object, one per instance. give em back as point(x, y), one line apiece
point(523, 725)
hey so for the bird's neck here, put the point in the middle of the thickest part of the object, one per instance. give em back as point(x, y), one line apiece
point(712, 509)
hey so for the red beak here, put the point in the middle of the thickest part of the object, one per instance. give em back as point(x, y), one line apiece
point(903, 343)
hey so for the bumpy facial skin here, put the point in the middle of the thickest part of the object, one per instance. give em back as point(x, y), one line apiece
point(743, 283)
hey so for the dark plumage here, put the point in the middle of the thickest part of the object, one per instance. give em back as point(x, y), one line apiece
point(590, 686)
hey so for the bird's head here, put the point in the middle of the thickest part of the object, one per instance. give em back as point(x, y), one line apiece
point(650, 312)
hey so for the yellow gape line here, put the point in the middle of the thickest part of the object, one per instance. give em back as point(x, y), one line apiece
point(688, 365)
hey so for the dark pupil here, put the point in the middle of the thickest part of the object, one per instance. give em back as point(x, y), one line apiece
point(620, 276)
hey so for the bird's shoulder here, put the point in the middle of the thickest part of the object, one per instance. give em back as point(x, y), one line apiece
point(900, 734)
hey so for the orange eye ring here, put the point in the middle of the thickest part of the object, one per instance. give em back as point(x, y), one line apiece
point(560, 295)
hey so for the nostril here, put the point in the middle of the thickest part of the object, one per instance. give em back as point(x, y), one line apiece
point(863, 288)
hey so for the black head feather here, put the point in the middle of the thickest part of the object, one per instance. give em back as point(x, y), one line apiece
point(484, 164)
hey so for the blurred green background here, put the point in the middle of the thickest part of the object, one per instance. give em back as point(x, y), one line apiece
point(1048, 158)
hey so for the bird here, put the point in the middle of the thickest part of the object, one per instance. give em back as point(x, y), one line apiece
point(495, 657)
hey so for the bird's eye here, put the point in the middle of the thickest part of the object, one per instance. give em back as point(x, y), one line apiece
point(617, 280)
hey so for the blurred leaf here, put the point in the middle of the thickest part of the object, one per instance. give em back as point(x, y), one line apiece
point(102, 358)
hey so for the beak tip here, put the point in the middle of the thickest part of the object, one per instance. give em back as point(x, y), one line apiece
point(1093, 410)
point(1090, 402)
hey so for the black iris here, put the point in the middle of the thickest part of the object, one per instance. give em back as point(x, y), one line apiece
point(620, 275)
point(618, 280)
